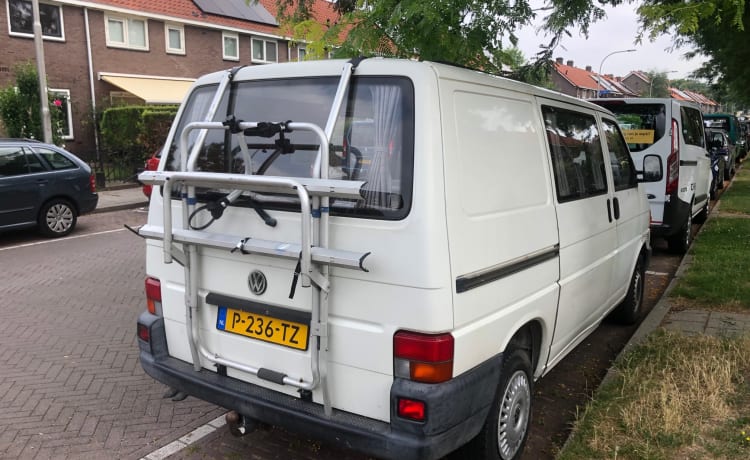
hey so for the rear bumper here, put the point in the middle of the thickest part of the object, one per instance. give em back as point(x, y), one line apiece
point(456, 409)
point(87, 203)
point(675, 215)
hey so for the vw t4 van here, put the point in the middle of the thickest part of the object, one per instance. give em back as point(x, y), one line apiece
point(385, 254)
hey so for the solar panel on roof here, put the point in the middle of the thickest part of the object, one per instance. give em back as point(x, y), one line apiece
point(237, 9)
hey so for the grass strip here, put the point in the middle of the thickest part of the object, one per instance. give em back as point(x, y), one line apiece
point(674, 396)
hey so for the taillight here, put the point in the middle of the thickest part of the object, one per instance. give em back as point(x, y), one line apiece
point(673, 161)
point(144, 333)
point(411, 409)
point(153, 296)
point(426, 358)
point(92, 182)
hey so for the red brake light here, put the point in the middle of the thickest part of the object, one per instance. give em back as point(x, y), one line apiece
point(411, 409)
point(673, 161)
point(92, 182)
point(424, 358)
point(153, 295)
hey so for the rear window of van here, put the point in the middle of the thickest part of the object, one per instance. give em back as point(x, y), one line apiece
point(373, 139)
point(641, 124)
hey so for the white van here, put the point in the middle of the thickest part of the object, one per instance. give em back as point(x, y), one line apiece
point(671, 133)
point(385, 254)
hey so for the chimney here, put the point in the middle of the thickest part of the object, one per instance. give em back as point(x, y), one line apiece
point(588, 68)
point(559, 60)
point(569, 63)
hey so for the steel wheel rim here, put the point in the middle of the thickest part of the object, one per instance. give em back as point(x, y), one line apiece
point(637, 289)
point(513, 419)
point(689, 230)
point(59, 218)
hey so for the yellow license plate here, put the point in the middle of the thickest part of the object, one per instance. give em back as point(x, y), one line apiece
point(261, 327)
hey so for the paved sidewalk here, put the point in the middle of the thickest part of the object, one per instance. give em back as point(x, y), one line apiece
point(121, 198)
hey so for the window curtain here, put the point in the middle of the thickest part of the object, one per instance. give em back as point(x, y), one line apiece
point(386, 103)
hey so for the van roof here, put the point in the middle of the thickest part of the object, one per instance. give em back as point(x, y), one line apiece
point(389, 66)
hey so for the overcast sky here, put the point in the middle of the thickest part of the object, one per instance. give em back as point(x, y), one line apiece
point(616, 32)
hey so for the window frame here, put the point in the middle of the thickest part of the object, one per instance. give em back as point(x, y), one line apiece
point(181, 30)
point(265, 43)
point(301, 53)
point(65, 93)
point(613, 155)
point(12, 33)
point(232, 36)
point(558, 161)
point(125, 21)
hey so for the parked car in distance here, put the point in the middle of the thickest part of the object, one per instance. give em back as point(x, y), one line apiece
point(731, 125)
point(722, 157)
point(670, 132)
point(152, 164)
point(43, 186)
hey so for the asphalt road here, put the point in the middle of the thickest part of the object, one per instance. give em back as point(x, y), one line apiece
point(71, 385)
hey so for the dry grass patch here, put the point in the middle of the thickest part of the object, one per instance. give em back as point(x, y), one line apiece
point(675, 396)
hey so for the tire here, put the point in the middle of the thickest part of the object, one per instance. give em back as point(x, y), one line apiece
point(629, 310)
point(58, 217)
point(506, 429)
point(712, 190)
point(680, 243)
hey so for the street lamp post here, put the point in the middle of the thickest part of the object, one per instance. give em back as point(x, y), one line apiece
point(599, 76)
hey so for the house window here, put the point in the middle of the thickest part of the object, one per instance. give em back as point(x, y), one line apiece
point(264, 50)
point(126, 33)
point(21, 19)
point(61, 101)
point(231, 46)
point(301, 54)
point(174, 36)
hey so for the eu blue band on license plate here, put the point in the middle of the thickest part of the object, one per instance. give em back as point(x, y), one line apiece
point(262, 327)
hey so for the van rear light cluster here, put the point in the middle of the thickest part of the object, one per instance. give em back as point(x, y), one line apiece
point(673, 161)
point(92, 182)
point(426, 358)
point(153, 296)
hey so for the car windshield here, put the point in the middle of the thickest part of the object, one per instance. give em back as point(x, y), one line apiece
point(641, 124)
point(372, 140)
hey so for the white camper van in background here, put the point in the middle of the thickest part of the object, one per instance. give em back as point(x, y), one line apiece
point(385, 254)
point(669, 132)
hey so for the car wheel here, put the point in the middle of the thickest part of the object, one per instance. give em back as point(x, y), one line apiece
point(680, 242)
point(629, 310)
point(506, 429)
point(712, 190)
point(57, 218)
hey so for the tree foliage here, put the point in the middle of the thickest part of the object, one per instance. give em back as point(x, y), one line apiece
point(20, 107)
point(718, 29)
point(471, 33)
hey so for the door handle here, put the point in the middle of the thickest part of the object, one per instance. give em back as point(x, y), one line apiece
point(616, 205)
point(609, 210)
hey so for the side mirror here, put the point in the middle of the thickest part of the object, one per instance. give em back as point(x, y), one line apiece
point(653, 170)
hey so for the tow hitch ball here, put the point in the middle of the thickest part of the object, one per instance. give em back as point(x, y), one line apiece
point(240, 425)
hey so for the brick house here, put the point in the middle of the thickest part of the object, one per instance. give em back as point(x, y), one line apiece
point(584, 83)
point(101, 52)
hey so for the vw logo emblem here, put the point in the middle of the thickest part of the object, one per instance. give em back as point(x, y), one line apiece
point(257, 282)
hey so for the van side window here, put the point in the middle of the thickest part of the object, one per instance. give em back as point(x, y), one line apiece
point(576, 151)
point(692, 126)
point(623, 171)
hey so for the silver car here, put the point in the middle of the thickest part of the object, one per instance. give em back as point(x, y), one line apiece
point(43, 186)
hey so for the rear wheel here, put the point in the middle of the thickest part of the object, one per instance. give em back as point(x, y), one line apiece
point(57, 218)
point(629, 311)
point(506, 429)
point(680, 242)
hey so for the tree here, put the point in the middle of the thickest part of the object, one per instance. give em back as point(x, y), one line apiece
point(20, 108)
point(470, 33)
point(719, 29)
point(658, 86)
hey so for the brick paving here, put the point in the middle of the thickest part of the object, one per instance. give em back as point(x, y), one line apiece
point(71, 385)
